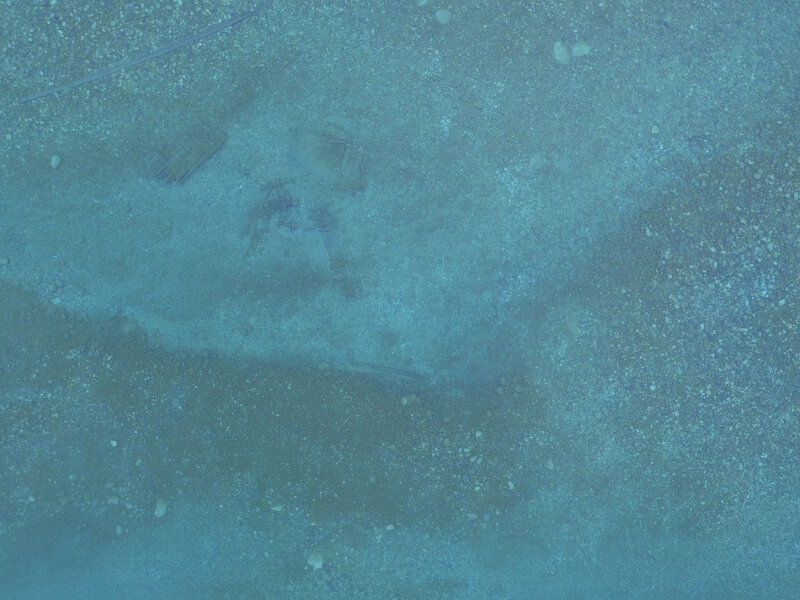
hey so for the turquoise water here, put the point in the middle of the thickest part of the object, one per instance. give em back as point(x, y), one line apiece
point(399, 300)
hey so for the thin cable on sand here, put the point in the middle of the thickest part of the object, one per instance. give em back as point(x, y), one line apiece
point(139, 60)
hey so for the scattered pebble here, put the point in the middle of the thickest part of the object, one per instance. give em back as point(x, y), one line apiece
point(408, 399)
point(538, 161)
point(564, 55)
point(561, 53)
point(55, 160)
point(443, 16)
point(549, 465)
point(315, 560)
point(580, 49)
point(161, 508)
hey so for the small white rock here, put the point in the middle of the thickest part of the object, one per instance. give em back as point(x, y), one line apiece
point(580, 49)
point(55, 160)
point(315, 560)
point(443, 16)
point(538, 161)
point(561, 53)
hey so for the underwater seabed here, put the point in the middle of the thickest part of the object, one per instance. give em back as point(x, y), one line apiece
point(336, 300)
point(132, 471)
